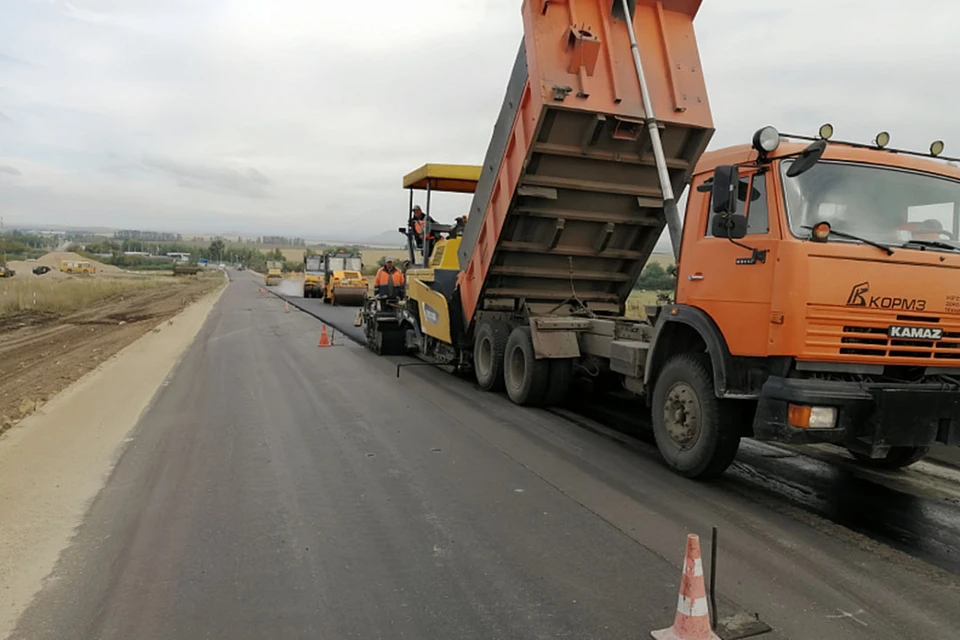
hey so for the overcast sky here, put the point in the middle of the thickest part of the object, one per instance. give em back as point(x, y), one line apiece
point(301, 116)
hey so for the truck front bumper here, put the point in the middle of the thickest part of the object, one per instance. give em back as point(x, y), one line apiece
point(875, 415)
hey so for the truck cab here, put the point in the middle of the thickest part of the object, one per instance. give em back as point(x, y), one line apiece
point(825, 280)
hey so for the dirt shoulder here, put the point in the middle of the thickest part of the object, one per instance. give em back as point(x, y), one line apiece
point(42, 353)
point(55, 461)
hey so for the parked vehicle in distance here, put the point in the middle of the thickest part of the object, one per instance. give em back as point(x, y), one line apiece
point(185, 269)
point(77, 267)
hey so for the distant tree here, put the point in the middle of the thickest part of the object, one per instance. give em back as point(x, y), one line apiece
point(656, 278)
point(217, 248)
point(132, 245)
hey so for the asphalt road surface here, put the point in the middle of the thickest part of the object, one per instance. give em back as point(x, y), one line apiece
point(340, 318)
point(278, 490)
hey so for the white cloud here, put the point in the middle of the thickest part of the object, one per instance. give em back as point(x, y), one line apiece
point(298, 116)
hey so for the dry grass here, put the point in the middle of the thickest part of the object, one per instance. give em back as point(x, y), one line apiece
point(66, 295)
point(638, 300)
point(293, 255)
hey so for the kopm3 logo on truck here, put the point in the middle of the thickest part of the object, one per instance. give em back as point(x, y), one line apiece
point(859, 298)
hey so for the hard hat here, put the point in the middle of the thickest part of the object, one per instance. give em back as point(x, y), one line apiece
point(388, 259)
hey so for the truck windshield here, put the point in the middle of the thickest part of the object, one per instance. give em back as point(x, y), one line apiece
point(887, 206)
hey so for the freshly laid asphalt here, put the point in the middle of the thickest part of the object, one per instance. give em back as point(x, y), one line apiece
point(275, 489)
point(339, 318)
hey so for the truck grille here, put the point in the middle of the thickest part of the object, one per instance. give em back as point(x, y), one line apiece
point(833, 332)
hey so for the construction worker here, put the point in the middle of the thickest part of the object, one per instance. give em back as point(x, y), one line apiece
point(419, 217)
point(389, 280)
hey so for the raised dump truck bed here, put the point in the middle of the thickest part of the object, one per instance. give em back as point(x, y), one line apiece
point(569, 206)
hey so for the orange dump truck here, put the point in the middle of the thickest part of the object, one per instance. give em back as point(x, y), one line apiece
point(818, 295)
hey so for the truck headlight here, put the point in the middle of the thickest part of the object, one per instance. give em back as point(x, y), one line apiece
point(766, 140)
point(805, 417)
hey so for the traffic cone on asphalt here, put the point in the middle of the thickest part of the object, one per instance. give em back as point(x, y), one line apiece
point(692, 621)
point(324, 338)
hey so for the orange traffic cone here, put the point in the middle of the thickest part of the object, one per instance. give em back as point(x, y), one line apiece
point(692, 621)
point(324, 338)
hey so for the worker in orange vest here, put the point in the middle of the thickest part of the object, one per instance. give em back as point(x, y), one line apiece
point(419, 217)
point(389, 280)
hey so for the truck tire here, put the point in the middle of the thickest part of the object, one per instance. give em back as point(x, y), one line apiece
point(489, 346)
point(697, 433)
point(524, 376)
point(558, 385)
point(896, 458)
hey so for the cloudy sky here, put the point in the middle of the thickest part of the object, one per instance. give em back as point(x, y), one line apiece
point(301, 116)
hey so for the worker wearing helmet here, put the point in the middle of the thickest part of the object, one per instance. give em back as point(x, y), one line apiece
point(389, 280)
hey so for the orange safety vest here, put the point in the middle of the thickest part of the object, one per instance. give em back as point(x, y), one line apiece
point(392, 280)
point(418, 228)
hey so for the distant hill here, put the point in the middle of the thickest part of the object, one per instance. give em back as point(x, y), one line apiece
point(389, 238)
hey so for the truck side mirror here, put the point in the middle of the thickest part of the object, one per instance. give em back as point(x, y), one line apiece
point(807, 158)
point(726, 182)
point(727, 225)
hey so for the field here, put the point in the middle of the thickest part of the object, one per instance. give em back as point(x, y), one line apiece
point(370, 256)
point(292, 255)
point(60, 296)
point(75, 323)
point(640, 299)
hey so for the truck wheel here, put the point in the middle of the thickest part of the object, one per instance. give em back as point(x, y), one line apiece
point(696, 432)
point(488, 350)
point(558, 386)
point(896, 458)
point(524, 376)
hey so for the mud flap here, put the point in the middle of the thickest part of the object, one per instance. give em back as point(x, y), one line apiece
point(556, 337)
